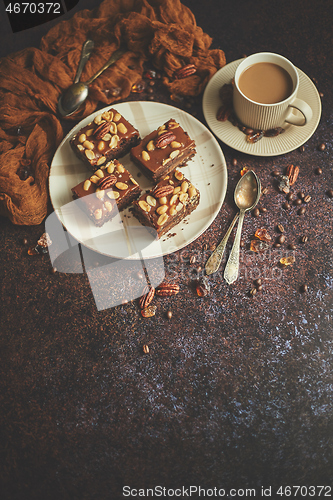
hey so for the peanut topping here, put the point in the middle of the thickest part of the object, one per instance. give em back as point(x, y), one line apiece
point(151, 201)
point(120, 168)
point(192, 191)
point(94, 179)
point(144, 205)
point(98, 119)
point(99, 173)
point(101, 145)
point(101, 160)
point(162, 209)
point(108, 206)
point(121, 128)
point(88, 145)
point(174, 153)
point(150, 146)
point(183, 197)
point(86, 185)
point(89, 154)
point(82, 137)
point(99, 194)
point(121, 185)
point(98, 213)
point(184, 186)
point(173, 199)
point(113, 195)
point(107, 115)
point(145, 156)
point(162, 219)
point(113, 128)
point(110, 167)
point(114, 141)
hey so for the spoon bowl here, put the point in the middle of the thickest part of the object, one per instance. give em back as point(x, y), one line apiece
point(72, 98)
point(247, 192)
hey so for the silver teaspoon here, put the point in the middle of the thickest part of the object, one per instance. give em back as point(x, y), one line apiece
point(247, 194)
point(77, 93)
point(214, 261)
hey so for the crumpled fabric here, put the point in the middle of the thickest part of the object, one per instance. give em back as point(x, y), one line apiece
point(161, 31)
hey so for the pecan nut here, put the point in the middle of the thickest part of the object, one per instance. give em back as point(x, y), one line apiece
point(185, 71)
point(147, 297)
point(225, 92)
point(292, 173)
point(163, 191)
point(164, 139)
point(102, 129)
point(224, 112)
point(107, 181)
point(167, 289)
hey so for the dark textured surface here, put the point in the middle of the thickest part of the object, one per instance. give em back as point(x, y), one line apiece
point(236, 392)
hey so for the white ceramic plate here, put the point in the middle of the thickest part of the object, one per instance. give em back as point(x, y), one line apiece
point(291, 139)
point(207, 171)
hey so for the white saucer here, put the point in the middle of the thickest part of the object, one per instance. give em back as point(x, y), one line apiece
point(291, 139)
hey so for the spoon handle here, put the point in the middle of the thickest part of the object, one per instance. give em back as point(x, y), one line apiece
point(214, 261)
point(85, 54)
point(115, 56)
point(231, 269)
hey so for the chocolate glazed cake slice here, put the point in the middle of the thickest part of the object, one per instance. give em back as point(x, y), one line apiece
point(107, 137)
point(105, 193)
point(167, 204)
point(163, 150)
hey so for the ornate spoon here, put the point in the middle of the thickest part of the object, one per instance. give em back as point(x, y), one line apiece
point(214, 261)
point(247, 194)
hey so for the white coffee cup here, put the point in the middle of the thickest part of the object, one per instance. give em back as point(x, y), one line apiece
point(268, 116)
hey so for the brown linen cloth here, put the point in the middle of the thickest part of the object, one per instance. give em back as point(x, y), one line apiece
point(163, 31)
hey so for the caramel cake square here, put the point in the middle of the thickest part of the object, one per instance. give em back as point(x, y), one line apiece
point(110, 189)
point(107, 137)
point(167, 204)
point(163, 150)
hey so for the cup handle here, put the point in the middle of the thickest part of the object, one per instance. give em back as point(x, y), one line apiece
point(304, 108)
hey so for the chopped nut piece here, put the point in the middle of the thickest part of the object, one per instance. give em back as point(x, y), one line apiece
point(99, 173)
point(121, 128)
point(151, 201)
point(89, 154)
point(145, 155)
point(122, 186)
point(162, 219)
point(86, 185)
point(144, 205)
point(88, 145)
